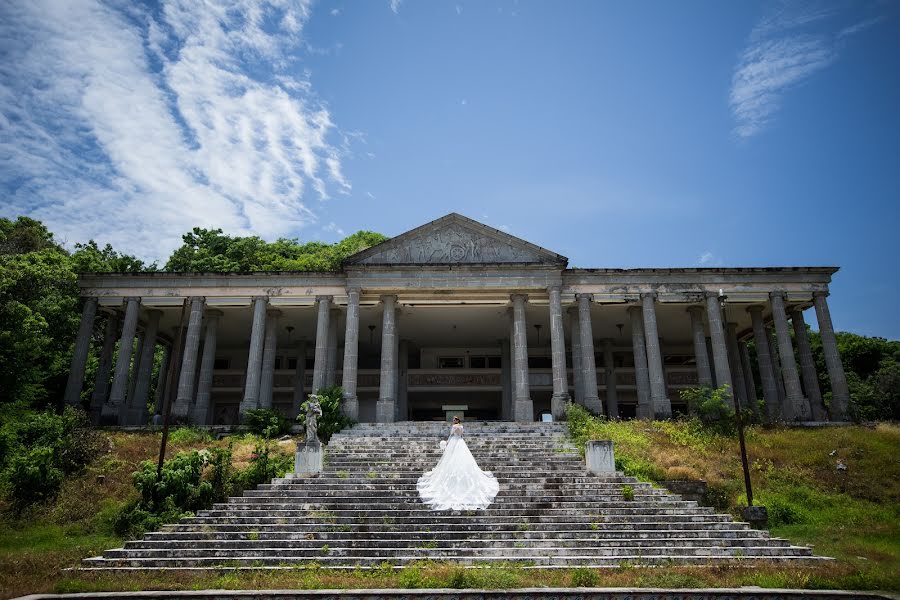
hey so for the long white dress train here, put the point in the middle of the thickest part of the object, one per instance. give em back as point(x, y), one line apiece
point(456, 482)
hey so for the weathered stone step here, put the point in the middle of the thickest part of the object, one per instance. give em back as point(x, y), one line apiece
point(420, 510)
point(468, 525)
point(454, 519)
point(442, 553)
point(575, 536)
point(438, 541)
point(415, 504)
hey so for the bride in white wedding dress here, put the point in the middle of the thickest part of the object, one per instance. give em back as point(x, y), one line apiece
point(457, 483)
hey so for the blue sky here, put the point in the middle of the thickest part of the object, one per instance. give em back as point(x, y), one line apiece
point(626, 134)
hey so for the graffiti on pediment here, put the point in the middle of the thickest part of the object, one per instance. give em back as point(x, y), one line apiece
point(454, 244)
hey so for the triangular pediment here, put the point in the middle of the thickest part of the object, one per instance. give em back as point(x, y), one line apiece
point(455, 239)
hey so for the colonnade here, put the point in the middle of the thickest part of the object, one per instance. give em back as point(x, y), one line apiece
point(724, 360)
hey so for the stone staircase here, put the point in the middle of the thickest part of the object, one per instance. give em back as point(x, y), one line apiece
point(363, 510)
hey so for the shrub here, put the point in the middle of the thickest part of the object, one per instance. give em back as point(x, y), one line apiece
point(332, 419)
point(582, 577)
point(38, 448)
point(713, 406)
point(265, 465)
point(189, 435)
point(627, 493)
point(267, 422)
point(682, 474)
point(32, 477)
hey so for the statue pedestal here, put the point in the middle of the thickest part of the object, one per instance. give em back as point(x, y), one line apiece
point(600, 458)
point(309, 459)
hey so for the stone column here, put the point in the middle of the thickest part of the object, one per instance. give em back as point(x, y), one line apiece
point(207, 367)
point(321, 357)
point(749, 381)
point(110, 411)
point(734, 363)
point(135, 363)
point(588, 364)
point(840, 393)
point(387, 393)
point(577, 371)
point(505, 380)
point(397, 363)
point(181, 410)
point(609, 369)
point(764, 360)
point(136, 414)
point(270, 348)
point(254, 357)
point(350, 403)
point(719, 345)
point(558, 356)
point(331, 354)
point(75, 382)
point(402, 372)
point(794, 400)
point(101, 380)
point(160, 393)
point(662, 407)
point(641, 373)
point(523, 409)
point(776, 364)
point(704, 373)
point(816, 410)
point(300, 380)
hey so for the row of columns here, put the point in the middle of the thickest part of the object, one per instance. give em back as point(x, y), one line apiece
point(729, 363)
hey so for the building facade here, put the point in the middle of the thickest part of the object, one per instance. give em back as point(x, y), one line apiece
point(455, 317)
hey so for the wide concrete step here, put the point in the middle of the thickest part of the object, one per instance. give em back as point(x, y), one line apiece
point(501, 504)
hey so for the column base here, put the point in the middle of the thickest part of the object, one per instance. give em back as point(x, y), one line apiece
point(131, 417)
point(662, 408)
point(793, 409)
point(200, 414)
point(246, 404)
point(181, 411)
point(645, 413)
point(558, 406)
point(109, 415)
point(593, 404)
point(350, 407)
point(384, 410)
point(524, 411)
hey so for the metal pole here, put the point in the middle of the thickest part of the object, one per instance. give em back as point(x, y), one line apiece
point(167, 408)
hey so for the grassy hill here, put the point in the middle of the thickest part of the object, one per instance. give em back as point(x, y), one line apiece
point(850, 514)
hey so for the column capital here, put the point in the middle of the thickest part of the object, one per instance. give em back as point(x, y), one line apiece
point(554, 289)
point(153, 312)
point(585, 297)
point(351, 290)
point(709, 294)
point(696, 308)
point(635, 308)
point(755, 308)
point(264, 298)
point(324, 298)
point(134, 298)
point(821, 294)
point(777, 294)
point(653, 295)
point(212, 313)
point(388, 297)
point(273, 312)
point(521, 297)
point(193, 299)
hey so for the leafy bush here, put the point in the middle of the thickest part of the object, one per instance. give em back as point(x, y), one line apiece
point(332, 419)
point(627, 493)
point(189, 435)
point(714, 407)
point(267, 422)
point(38, 448)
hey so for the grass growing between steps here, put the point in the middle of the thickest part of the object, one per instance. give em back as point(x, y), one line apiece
point(851, 514)
point(37, 544)
point(441, 575)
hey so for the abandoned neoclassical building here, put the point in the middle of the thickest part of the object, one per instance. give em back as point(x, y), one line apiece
point(455, 317)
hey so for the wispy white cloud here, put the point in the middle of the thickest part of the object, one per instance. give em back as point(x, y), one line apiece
point(705, 258)
point(335, 12)
point(333, 228)
point(395, 6)
point(785, 48)
point(130, 126)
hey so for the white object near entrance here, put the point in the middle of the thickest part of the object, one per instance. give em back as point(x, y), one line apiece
point(454, 410)
point(600, 458)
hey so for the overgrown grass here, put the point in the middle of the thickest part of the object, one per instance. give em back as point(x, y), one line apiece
point(852, 515)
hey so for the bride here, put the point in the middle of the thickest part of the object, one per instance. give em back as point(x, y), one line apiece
point(456, 483)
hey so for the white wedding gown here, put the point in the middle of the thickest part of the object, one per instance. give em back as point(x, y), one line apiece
point(457, 483)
